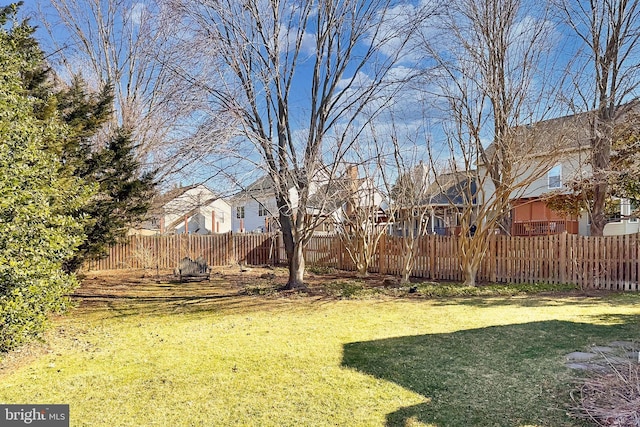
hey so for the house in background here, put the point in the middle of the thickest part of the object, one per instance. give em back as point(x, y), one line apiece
point(194, 209)
point(254, 209)
point(562, 152)
point(443, 202)
point(555, 154)
point(348, 201)
point(447, 198)
point(624, 223)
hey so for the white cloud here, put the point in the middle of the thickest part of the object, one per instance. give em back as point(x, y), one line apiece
point(287, 39)
point(396, 23)
point(136, 13)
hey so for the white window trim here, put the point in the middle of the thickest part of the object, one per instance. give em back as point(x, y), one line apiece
point(262, 210)
point(559, 175)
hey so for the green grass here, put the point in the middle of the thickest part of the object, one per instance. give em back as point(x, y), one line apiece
point(190, 356)
point(359, 288)
point(449, 290)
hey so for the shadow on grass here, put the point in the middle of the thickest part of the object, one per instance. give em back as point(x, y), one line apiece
point(594, 298)
point(509, 375)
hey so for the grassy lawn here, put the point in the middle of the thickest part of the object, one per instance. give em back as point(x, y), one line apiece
point(143, 353)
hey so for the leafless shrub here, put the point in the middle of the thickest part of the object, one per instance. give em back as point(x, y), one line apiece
point(610, 398)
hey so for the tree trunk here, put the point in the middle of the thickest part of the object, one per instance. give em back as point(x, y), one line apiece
point(600, 161)
point(407, 259)
point(472, 252)
point(469, 273)
point(296, 269)
point(405, 277)
point(363, 268)
point(362, 264)
point(598, 217)
point(504, 221)
point(295, 255)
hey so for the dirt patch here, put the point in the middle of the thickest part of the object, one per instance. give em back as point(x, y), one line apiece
point(235, 276)
point(267, 281)
point(22, 356)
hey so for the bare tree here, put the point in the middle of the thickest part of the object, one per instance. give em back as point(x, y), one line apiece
point(488, 63)
point(537, 147)
point(133, 45)
point(605, 75)
point(365, 217)
point(410, 195)
point(299, 76)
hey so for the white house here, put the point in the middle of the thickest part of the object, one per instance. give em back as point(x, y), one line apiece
point(194, 209)
point(254, 209)
point(626, 223)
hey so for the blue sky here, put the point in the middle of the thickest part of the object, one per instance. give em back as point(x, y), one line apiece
point(418, 112)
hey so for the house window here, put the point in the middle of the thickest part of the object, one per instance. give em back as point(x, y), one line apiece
point(615, 210)
point(634, 210)
point(262, 211)
point(240, 212)
point(554, 177)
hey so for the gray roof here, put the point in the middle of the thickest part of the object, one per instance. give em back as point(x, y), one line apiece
point(548, 136)
point(572, 132)
point(455, 188)
point(262, 186)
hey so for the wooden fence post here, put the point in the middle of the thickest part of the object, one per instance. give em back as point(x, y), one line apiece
point(432, 256)
point(230, 248)
point(563, 257)
point(493, 259)
point(340, 251)
point(382, 254)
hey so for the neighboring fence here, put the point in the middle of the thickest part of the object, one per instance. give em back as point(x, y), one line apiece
point(590, 262)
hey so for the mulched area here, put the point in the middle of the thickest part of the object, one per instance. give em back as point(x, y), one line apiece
point(233, 278)
point(267, 281)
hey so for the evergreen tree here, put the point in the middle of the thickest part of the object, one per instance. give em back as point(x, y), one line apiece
point(123, 191)
point(38, 228)
point(86, 113)
point(123, 197)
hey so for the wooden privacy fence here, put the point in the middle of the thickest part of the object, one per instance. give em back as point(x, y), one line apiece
point(165, 252)
point(590, 262)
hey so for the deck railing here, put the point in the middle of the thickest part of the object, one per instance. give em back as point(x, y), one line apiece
point(543, 228)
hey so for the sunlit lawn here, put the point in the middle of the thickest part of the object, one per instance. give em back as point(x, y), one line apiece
point(218, 358)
